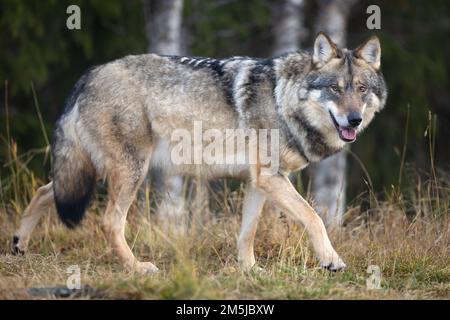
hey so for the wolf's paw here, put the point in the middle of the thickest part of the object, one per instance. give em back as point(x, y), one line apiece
point(332, 262)
point(15, 247)
point(247, 265)
point(335, 265)
point(145, 268)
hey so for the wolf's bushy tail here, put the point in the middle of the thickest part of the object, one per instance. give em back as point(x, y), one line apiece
point(73, 173)
point(74, 178)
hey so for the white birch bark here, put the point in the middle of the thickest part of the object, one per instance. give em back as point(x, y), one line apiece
point(163, 25)
point(288, 26)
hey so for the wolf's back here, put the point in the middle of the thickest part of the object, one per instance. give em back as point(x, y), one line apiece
point(73, 173)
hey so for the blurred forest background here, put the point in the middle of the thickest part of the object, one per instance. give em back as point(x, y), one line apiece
point(37, 50)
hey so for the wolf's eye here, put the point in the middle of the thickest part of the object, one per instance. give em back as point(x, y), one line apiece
point(334, 88)
point(362, 88)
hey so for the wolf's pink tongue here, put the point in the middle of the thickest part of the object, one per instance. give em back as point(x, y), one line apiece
point(348, 133)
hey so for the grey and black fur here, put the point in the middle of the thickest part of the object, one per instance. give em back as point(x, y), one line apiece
point(119, 118)
point(73, 181)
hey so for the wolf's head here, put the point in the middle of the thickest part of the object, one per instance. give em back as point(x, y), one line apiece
point(339, 91)
point(348, 85)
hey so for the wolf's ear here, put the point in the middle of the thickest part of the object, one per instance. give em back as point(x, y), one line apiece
point(370, 51)
point(324, 50)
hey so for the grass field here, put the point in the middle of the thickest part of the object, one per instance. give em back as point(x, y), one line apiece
point(407, 236)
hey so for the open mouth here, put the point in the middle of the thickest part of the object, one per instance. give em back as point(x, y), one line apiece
point(347, 134)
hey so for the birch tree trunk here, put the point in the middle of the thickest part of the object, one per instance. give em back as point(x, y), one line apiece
point(329, 176)
point(288, 26)
point(163, 25)
point(163, 32)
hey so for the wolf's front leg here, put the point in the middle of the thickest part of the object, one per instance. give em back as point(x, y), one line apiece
point(253, 203)
point(281, 190)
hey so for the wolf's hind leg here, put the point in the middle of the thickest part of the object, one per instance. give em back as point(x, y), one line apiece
point(253, 203)
point(41, 203)
point(122, 188)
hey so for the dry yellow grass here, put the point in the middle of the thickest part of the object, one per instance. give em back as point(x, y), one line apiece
point(408, 239)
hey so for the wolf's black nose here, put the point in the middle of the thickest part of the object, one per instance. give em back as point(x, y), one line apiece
point(354, 118)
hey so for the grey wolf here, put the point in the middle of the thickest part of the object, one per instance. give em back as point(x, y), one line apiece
point(119, 118)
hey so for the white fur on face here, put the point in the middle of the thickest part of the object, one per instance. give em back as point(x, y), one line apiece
point(374, 101)
point(363, 108)
point(315, 95)
point(316, 121)
point(369, 113)
point(303, 93)
point(332, 107)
